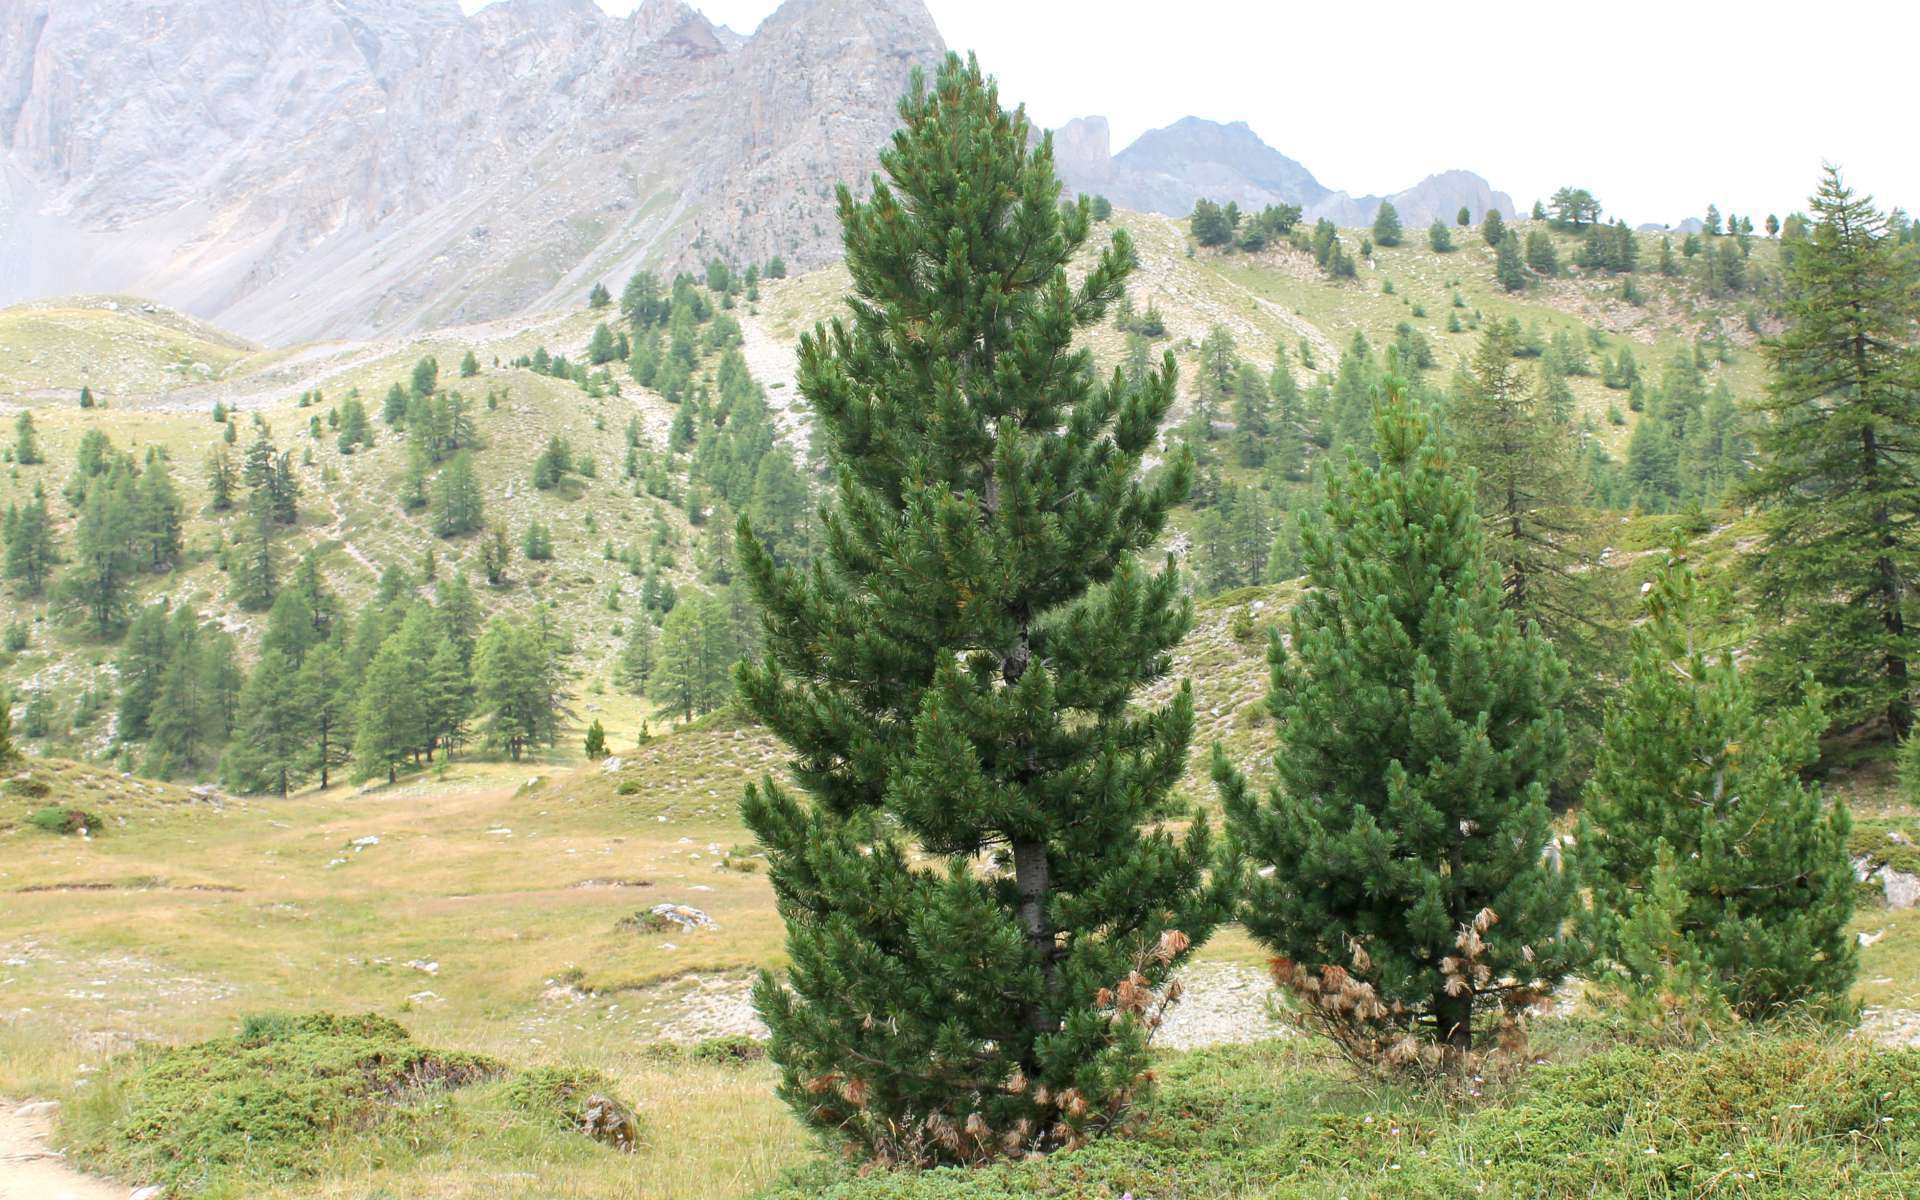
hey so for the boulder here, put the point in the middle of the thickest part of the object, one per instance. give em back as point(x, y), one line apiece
point(1902, 889)
point(607, 1120)
point(682, 916)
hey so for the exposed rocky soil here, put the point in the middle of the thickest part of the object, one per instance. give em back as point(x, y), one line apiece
point(30, 1169)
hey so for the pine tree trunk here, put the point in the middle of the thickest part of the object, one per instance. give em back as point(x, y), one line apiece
point(1033, 877)
point(1032, 873)
point(1453, 1017)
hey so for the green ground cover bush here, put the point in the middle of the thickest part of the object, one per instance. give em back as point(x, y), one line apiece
point(1753, 1116)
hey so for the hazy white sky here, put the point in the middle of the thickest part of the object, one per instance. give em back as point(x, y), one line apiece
point(1658, 106)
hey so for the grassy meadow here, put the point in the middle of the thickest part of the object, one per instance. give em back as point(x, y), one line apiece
point(497, 909)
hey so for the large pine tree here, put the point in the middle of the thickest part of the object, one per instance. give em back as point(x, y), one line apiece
point(978, 904)
point(1419, 732)
point(1839, 480)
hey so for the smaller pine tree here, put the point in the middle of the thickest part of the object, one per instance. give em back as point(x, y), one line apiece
point(1508, 268)
point(596, 740)
point(1691, 762)
point(1386, 225)
point(1409, 901)
point(86, 397)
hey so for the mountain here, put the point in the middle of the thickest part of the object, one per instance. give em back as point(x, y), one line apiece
point(328, 168)
point(1166, 170)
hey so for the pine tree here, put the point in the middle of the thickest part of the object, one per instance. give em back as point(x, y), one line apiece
point(157, 517)
point(32, 550)
point(636, 662)
point(1842, 502)
point(447, 697)
point(1508, 268)
point(599, 297)
point(86, 397)
point(677, 681)
point(495, 555)
point(326, 702)
point(426, 377)
point(103, 564)
point(457, 506)
point(1655, 975)
point(141, 668)
point(1209, 224)
point(389, 722)
point(1542, 258)
point(1693, 765)
point(469, 365)
point(955, 673)
point(220, 479)
point(1386, 225)
point(514, 682)
point(596, 747)
point(254, 576)
point(1493, 227)
point(271, 752)
point(458, 613)
point(1439, 236)
point(600, 345)
point(1463, 218)
point(26, 442)
point(1419, 734)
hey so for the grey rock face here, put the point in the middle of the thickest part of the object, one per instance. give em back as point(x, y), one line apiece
point(340, 167)
point(1166, 170)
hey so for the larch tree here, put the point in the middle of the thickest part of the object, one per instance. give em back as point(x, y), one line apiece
point(326, 704)
point(1531, 497)
point(271, 752)
point(981, 901)
point(32, 551)
point(1408, 895)
point(1837, 480)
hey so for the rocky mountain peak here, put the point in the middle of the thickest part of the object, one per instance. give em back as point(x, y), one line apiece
point(1166, 170)
point(338, 167)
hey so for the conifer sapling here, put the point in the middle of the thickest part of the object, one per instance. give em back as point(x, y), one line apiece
point(1409, 895)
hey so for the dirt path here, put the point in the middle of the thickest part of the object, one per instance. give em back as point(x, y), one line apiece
point(774, 364)
point(31, 1170)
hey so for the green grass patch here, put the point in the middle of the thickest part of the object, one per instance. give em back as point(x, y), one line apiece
point(1757, 1116)
point(259, 1105)
point(1886, 842)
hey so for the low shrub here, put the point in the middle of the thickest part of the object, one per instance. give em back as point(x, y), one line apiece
point(27, 787)
point(734, 1050)
point(62, 820)
point(260, 1105)
point(1756, 1116)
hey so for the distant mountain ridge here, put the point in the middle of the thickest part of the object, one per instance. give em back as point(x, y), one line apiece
point(1166, 170)
point(312, 168)
point(307, 169)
